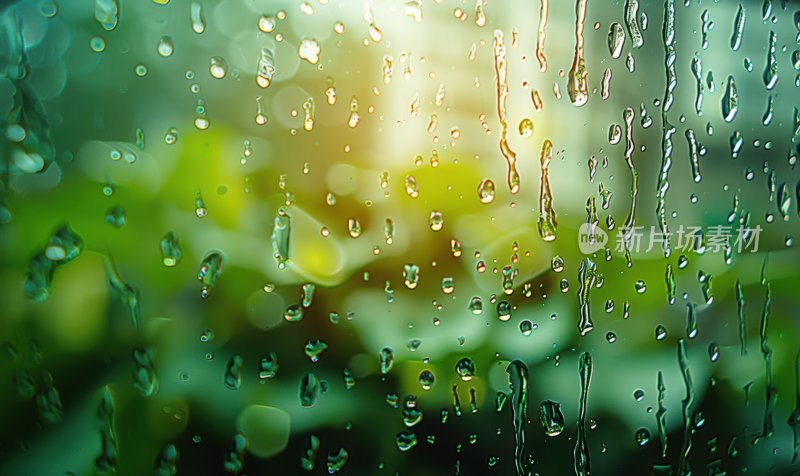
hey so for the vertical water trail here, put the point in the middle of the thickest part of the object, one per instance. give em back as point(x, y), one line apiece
point(694, 155)
point(518, 378)
point(771, 69)
point(683, 362)
point(281, 237)
point(627, 228)
point(501, 71)
point(697, 72)
point(794, 418)
point(586, 278)
point(578, 86)
point(582, 460)
point(106, 462)
point(548, 226)
point(740, 312)
point(669, 277)
point(730, 101)
point(541, 36)
point(661, 415)
point(632, 22)
point(771, 393)
point(738, 28)
point(667, 129)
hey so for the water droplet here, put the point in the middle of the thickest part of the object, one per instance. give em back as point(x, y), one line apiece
point(309, 50)
point(116, 217)
point(97, 44)
point(730, 101)
point(436, 220)
point(233, 372)
point(616, 40)
point(426, 379)
point(106, 12)
point(281, 238)
point(526, 327)
point(526, 128)
point(642, 436)
point(266, 68)
point(713, 351)
point(475, 305)
point(552, 418)
point(309, 390)
point(406, 440)
point(504, 310)
point(293, 313)
point(557, 264)
point(314, 349)
point(266, 23)
point(198, 19)
point(337, 459)
point(210, 271)
point(465, 368)
point(640, 286)
point(410, 275)
point(144, 373)
point(165, 47)
point(218, 67)
point(386, 360)
point(171, 136)
point(64, 246)
point(355, 117)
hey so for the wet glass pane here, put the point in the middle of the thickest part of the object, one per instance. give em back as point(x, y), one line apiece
point(413, 237)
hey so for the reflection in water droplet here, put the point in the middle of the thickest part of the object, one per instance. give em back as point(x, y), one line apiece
point(616, 40)
point(266, 68)
point(233, 372)
point(632, 22)
point(730, 101)
point(552, 418)
point(503, 310)
point(436, 220)
point(337, 459)
point(410, 275)
point(475, 305)
point(116, 217)
point(578, 86)
point(106, 12)
point(309, 50)
point(501, 73)
point(165, 47)
point(355, 117)
point(218, 67)
point(386, 360)
point(526, 128)
point(642, 437)
point(465, 368)
point(486, 191)
point(198, 19)
point(266, 23)
point(210, 271)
